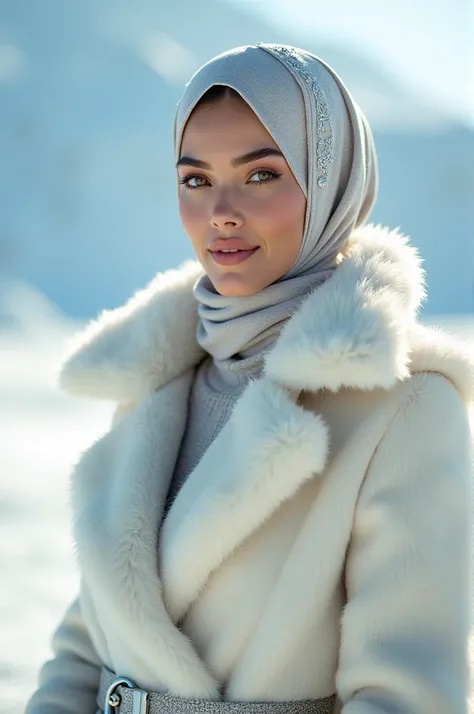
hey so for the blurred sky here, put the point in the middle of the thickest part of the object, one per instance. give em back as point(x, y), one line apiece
point(427, 43)
point(88, 91)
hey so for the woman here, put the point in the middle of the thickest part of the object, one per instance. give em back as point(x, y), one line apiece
point(278, 517)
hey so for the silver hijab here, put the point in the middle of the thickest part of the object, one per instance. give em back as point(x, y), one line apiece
point(328, 145)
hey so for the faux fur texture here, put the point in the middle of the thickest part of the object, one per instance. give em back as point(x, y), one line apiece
point(130, 351)
point(322, 544)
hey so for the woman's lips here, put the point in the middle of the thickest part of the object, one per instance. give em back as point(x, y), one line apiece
point(232, 258)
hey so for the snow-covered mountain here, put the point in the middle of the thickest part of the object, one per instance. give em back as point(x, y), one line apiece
point(87, 97)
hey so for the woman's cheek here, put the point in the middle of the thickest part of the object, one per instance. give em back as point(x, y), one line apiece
point(192, 216)
point(281, 213)
point(290, 211)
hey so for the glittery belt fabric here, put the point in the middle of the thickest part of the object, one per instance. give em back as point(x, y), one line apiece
point(125, 698)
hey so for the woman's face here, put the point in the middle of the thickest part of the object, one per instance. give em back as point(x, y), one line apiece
point(224, 193)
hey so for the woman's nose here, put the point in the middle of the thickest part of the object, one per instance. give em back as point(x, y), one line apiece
point(225, 215)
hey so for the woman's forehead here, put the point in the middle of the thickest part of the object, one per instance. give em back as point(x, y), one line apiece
point(225, 123)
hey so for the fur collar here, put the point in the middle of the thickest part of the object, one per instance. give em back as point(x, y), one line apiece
point(357, 330)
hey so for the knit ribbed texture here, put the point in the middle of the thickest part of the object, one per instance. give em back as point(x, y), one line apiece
point(216, 389)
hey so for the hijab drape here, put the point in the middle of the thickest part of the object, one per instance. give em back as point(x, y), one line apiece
point(328, 145)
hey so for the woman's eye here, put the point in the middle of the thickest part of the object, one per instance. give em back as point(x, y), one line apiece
point(264, 176)
point(193, 181)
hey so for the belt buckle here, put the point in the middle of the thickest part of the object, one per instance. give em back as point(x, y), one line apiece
point(113, 700)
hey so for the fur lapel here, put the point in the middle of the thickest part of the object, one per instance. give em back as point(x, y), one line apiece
point(267, 450)
point(118, 490)
point(134, 350)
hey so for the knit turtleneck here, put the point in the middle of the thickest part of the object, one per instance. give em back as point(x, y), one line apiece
point(216, 388)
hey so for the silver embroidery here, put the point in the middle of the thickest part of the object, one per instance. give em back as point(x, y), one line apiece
point(325, 139)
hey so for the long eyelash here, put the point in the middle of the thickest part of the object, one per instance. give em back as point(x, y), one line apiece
point(185, 181)
point(274, 174)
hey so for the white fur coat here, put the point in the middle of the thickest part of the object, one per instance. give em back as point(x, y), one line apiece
point(321, 544)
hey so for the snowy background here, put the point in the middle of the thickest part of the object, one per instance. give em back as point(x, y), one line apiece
point(88, 213)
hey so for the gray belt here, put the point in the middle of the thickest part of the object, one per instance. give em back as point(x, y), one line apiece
point(119, 695)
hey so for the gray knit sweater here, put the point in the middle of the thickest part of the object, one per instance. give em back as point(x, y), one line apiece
point(214, 392)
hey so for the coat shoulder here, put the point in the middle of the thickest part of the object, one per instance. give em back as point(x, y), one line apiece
point(439, 381)
point(438, 353)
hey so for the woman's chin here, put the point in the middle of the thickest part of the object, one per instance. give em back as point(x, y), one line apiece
point(234, 285)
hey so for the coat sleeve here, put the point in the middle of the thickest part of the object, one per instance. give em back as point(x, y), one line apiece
point(68, 683)
point(405, 626)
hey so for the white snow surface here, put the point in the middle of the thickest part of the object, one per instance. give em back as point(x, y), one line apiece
point(43, 433)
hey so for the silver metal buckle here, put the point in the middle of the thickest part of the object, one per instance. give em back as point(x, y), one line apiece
point(113, 700)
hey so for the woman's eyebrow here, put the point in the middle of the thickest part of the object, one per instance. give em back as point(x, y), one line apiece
point(238, 161)
point(255, 156)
